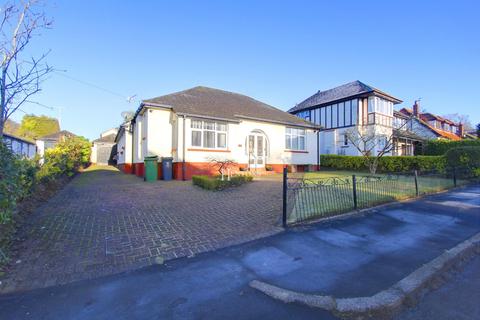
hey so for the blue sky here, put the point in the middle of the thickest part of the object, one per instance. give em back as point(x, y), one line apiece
point(279, 52)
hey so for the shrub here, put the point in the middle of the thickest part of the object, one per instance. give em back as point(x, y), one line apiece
point(440, 147)
point(464, 158)
point(215, 183)
point(65, 159)
point(386, 164)
point(17, 178)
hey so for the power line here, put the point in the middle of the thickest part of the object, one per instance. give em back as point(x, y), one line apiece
point(62, 73)
point(41, 104)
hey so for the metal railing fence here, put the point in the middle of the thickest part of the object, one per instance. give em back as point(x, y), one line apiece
point(308, 197)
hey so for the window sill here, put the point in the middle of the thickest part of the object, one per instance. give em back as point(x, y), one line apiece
point(208, 150)
point(296, 151)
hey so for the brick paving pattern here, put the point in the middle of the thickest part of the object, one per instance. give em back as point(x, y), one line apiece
point(105, 222)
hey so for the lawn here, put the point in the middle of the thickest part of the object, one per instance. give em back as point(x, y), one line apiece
point(327, 193)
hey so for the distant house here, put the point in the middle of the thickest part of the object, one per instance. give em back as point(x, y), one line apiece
point(430, 126)
point(50, 141)
point(345, 107)
point(408, 135)
point(20, 146)
point(104, 148)
point(200, 124)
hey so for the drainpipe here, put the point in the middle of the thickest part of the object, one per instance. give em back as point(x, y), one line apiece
point(133, 147)
point(183, 150)
point(318, 150)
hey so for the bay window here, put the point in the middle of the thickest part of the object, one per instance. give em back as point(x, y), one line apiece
point(209, 134)
point(295, 139)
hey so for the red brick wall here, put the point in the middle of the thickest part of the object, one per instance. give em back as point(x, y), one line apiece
point(200, 168)
point(125, 168)
point(139, 169)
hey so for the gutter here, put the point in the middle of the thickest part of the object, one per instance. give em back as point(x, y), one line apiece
point(193, 115)
point(312, 126)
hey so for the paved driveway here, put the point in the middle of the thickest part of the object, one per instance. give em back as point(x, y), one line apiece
point(357, 256)
point(106, 222)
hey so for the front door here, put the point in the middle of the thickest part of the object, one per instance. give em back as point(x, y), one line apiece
point(257, 146)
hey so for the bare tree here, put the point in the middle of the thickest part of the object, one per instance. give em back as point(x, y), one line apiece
point(373, 144)
point(460, 118)
point(223, 166)
point(20, 77)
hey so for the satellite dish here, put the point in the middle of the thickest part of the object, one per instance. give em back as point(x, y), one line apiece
point(127, 115)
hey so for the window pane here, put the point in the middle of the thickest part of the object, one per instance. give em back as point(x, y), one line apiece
point(207, 125)
point(301, 132)
point(251, 144)
point(209, 139)
point(295, 142)
point(301, 143)
point(289, 130)
point(259, 146)
point(288, 142)
point(221, 140)
point(196, 138)
point(221, 127)
point(196, 124)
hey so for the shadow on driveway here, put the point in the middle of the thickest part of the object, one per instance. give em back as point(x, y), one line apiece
point(353, 257)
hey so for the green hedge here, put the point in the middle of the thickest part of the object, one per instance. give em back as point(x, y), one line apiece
point(386, 164)
point(440, 147)
point(215, 183)
point(464, 158)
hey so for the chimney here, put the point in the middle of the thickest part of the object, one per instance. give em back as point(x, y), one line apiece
point(416, 108)
point(461, 130)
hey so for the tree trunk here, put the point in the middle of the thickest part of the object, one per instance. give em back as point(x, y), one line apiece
point(3, 107)
point(2, 125)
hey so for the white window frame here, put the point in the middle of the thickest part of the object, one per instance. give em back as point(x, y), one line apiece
point(292, 134)
point(203, 128)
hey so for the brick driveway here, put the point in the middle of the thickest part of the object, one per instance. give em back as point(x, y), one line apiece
point(105, 222)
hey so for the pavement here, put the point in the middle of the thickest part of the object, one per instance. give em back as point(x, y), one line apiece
point(105, 222)
point(358, 256)
point(457, 299)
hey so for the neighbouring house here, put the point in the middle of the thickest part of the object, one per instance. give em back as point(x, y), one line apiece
point(104, 149)
point(342, 108)
point(407, 138)
point(202, 124)
point(430, 126)
point(20, 146)
point(50, 141)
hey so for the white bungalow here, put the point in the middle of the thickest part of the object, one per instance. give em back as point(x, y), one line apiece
point(200, 124)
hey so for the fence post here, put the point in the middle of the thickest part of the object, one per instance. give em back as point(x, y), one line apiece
point(285, 186)
point(416, 183)
point(354, 185)
point(454, 177)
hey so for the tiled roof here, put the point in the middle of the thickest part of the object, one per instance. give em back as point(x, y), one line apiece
point(12, 136)
point(352, 89)
point(108, 138)
point(215, 103)
point(57, 135)
point(444, 134)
